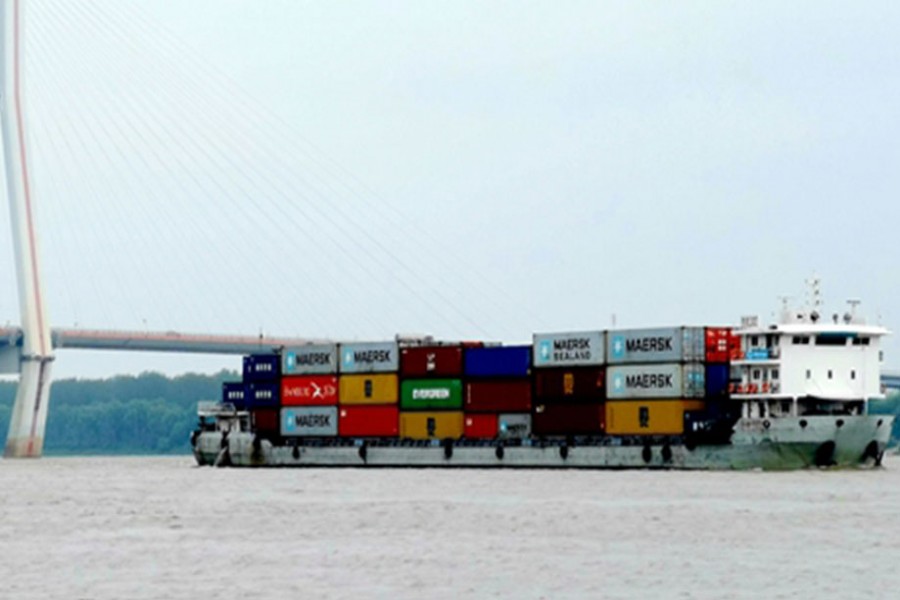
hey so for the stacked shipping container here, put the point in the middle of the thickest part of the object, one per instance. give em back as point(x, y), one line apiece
point(431, 392)
point(633, 382)
point(262, 396)
point(657, 375)
point(498, 392)
point(569, 383)
point(309, 391)
point(369, 387)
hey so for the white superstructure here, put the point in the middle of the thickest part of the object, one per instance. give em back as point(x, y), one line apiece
point(807, 365)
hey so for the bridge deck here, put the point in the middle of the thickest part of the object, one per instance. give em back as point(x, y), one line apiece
point(158, 341)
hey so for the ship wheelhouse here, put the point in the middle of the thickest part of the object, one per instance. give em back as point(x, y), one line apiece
point(802, 366)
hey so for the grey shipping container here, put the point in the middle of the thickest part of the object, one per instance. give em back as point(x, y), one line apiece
point(309, 421)
point(513, 426)
point(370, 357)
point(670, 380)
point(569, 349)
point(661, 345)
point(309, 360)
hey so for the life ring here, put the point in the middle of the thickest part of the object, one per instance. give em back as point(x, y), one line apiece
point(767, 424)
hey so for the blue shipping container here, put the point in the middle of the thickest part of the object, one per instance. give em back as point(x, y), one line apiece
point(263, 395)
point(498, 361)
point(234, 393)
point(716, 380)
point(262, 367)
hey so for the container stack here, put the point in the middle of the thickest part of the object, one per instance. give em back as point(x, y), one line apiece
point(640, 382)
point(497, 392)
point(719, 347)
point(431, 392)
point(654, 377)
point(262, 393)
point(569, 383)
point(309, 391)
point(369, 390)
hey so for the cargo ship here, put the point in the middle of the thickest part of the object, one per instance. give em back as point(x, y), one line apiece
point(789, 395)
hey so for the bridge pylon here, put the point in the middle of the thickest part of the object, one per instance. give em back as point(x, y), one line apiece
point(29, 415)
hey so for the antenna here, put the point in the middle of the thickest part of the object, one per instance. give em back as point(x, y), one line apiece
point(815, 292)
point(785, 315)
point(853, 302)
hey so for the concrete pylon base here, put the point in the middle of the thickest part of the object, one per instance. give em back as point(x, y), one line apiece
point(29, 417)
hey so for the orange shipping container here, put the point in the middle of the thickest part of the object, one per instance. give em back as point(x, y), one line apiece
point(431, 425)
point(368, 389)
point(648, 417)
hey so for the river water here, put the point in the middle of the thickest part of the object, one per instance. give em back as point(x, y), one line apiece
point(163, 528)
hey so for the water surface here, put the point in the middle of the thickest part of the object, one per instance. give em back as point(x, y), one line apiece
point(161, 528)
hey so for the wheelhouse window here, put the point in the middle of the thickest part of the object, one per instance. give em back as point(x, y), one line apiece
point(831, 339)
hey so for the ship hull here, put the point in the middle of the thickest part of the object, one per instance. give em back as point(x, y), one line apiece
point(778, 444)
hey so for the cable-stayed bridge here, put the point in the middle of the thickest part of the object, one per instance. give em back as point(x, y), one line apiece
point(157, 175)
point(151, 175)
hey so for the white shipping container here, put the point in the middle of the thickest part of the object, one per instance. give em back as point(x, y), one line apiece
point(660, 345)
point(670, 380)
point(370, 357)
point(568, 349)
point(312, 359)
point(512, 426)
point(317, 421)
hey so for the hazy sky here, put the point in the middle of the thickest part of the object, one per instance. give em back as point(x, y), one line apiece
point(468, 169)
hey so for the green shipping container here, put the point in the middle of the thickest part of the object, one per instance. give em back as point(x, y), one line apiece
point(431, 394)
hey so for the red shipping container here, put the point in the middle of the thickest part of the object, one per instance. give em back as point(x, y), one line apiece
point(369, 421)
point(431, 361)
point(480, 426)
point(568, 419)
point(265, 421)
point(718, 344)
point(309, 390)
point(571, 384)
point(498, 395)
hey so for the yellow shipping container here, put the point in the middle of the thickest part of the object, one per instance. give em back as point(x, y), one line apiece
point(431, 425)
point(648, 417)
point(368, 389)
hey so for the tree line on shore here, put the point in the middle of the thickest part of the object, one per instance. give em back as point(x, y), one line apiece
point(154, 414)
point(144, 414)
